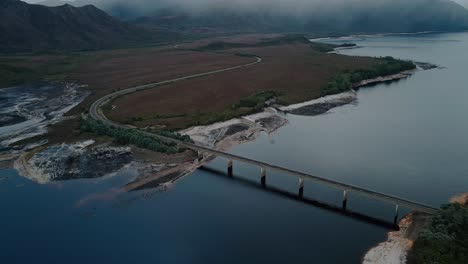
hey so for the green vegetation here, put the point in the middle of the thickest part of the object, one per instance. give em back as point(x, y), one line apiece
point(246, 106)
point(16, 70)
point(323, 47)
point(11, 75)
point(445, 240)
point(126, 136)
point(256, 101)
point(344, 81)
point(221, 45)
point(286, 39)
point(347, 45)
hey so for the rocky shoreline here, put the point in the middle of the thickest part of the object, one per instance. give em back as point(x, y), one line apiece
point(28, 110)
point(79, 160)
point(321, 105)
point(88, 160)
point(398, 244)
point(69, 161)
point(224, 135)
point(324, 104)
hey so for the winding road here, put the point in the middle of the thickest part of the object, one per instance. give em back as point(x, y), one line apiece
point(96, 113)
point(94, 110)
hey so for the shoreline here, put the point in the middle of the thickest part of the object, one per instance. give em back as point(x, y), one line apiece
point(383, 34)
point(324, 104)
point(272, 118)
point(399, 243)
point(227, 134)
point(214, 135)
point(230, 133)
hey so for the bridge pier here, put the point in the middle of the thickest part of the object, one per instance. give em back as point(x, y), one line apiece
point(301, 187)
point(229, 168)
point(397, 209)
point(200, 156)
point(345, 199)
point(263, 176)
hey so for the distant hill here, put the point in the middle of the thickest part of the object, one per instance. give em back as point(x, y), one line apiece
point(25, 27)
point(52, 3)
point(350, 16)
point(37, 27)
point(347, 17)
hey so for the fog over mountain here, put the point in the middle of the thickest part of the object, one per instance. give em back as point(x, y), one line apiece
point(463, 3)
point(289, 5)
point(291, 15)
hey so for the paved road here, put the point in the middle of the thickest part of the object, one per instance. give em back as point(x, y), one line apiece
point(96, 114)
point(94, 110)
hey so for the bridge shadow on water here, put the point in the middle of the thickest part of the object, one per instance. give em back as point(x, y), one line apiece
point(305, 200)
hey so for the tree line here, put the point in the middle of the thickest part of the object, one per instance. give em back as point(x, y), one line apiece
point(345, 80)
point(445, 240)
point(125, 136)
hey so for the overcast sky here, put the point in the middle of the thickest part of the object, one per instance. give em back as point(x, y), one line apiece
point(463, 2)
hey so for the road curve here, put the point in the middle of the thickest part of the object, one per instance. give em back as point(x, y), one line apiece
point(96, 114)
point(94, 109)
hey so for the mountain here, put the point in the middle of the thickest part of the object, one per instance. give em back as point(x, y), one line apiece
point(25, 27)
point(346, 17)
point(352, 16)
point(53, 3)
point(396, 16)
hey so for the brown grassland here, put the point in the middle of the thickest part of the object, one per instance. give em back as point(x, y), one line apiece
point(296, 71)
point(108, 70)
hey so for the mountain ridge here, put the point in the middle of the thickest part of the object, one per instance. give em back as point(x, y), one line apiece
point(30, 28)
point(357, 16)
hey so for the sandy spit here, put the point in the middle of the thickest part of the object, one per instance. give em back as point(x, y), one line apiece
point(398, 244)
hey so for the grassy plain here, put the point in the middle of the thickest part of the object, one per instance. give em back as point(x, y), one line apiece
point(294, 71)
point(106, 71)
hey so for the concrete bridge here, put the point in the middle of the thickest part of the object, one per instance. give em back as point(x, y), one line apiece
point(301, 176)
point(96, 113)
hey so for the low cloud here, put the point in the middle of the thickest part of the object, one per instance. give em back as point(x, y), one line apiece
point(291, 7)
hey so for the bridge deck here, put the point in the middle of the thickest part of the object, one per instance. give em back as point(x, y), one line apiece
point(350, 188)
point(339, 185)
point(97, 115)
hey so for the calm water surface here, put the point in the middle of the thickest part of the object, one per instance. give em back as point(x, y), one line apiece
point(408, 139)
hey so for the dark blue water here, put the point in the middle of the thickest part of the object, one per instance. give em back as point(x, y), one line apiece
point(406, 138)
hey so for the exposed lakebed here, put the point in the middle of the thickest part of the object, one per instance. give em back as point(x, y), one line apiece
point(26, 110)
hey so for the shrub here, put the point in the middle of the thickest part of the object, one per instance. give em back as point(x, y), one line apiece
point(126, 136)
point(445, 240)
point(346, 79)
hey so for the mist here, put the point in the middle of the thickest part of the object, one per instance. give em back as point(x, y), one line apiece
point(291, 15)
point(292, 7)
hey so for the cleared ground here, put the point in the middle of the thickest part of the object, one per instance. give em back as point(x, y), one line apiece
point(296, 71)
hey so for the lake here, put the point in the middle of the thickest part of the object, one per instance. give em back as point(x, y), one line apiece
point(406, 138)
